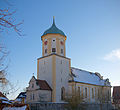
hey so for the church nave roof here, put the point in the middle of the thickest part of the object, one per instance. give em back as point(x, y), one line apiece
point(89, 77)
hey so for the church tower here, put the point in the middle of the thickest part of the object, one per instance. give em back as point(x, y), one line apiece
point(54, 66)
point(53, 41)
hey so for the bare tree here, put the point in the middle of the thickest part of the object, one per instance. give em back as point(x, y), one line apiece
point(3, 67)
point(7, 22)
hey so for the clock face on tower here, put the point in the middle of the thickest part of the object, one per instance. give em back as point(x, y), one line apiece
point(45, 42)
point(61, 42)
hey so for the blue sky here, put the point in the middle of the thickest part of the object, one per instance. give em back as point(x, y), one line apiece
point(92, 28)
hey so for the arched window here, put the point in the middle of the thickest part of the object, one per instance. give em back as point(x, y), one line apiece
point(79, 91)
point(98, 93)
point(61, 51)
point(33, 97)
point(32, 85)
point(45, 51)
point(85, 92)
point(62, 93)
point(30, 96)
point(92, 93)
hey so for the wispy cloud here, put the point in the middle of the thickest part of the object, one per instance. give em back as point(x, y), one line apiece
point(113, 55)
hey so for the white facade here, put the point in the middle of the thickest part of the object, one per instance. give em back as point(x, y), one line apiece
point(61, 65)
point(45, 69)
point(62, 76)
point(36, 94)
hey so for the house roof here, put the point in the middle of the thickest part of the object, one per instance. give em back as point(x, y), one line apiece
point(22, 95)
point(1, 95)
point(43, 85)
point(4, 99)
point(89, 77)
point(17, 107)
point(116, 92)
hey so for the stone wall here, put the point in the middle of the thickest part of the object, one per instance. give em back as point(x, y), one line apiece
point(60, 106)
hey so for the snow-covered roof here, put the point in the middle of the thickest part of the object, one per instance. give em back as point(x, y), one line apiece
point(15, 108)
point(3, 98)
point(22, 95)
point(6, 102)
point(83, 76)
point(43, 85)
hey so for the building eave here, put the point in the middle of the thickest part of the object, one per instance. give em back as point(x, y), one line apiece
point(54, 54)
point(71, 81)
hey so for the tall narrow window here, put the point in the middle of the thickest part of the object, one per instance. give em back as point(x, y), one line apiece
point(98, 93)
point(92, 93)
point(108, 95)
point(53, 49)
point(85, 92)
point(30, 96)
point(61, 61)
point(95, 92)
point(79, 91)
point(61, 51)
point(62, 93)
point(45, 50)
point(33, 97)
point(61, 79)
point(82, 92)
point(32, 85)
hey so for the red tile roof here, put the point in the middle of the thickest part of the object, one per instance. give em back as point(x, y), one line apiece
point(43, 85)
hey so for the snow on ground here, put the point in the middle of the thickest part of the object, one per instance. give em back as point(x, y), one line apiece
point(88, 77)
point(15, 108)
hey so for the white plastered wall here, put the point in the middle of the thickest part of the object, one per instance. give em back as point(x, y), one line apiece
point(39, 95)
point(62, 76)
point(90, 99)
point(45, 69)
point(62, 73)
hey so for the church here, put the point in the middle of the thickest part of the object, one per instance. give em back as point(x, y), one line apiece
point(56, 79)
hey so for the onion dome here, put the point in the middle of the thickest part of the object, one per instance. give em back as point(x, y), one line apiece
point(53, 30)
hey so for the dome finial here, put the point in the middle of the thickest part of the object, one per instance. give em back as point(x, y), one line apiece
point(53, 20)
point(53, 29)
